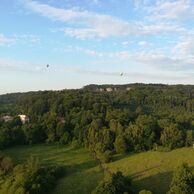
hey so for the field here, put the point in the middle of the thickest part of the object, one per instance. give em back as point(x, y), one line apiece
point(150, 170)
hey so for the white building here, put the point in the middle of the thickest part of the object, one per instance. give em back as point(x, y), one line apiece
point(109, 89)
point(7, 118)
point(24, 119)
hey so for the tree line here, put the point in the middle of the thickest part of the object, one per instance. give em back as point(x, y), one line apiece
point(146, 117)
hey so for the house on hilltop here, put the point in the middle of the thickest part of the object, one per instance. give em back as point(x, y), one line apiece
point(24, 118)
point(109, 89)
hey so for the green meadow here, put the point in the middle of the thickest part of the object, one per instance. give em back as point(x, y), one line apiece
point(150, 170)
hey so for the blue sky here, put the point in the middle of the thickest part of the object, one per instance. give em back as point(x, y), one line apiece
point(93, 41)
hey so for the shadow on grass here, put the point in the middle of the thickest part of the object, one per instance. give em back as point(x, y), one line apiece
point(141, 173)
point(158, 184)
point(121, 156)
point(82, 167)
point(78, 183)
point(87, 165)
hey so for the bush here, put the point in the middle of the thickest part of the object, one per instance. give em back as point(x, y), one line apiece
point(182, 181)
point(189, 138)
point(65, 138)
point(120, 145)
point(106, 156)
point(172, 137)
point(114, 184)
point(32, 178)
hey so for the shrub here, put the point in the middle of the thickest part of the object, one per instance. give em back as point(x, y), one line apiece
point(182, 181)
point(32, 178)
point(120, 145)
point(114, 184)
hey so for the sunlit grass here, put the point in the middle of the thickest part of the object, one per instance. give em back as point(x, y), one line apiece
point(150, 170)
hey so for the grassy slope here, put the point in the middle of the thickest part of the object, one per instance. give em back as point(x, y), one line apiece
point(150, 170)
point(153, 170)
point(78, 161)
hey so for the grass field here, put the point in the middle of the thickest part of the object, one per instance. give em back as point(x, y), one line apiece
point(150, 170)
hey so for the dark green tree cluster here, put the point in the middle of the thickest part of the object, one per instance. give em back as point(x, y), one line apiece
point(31, 177)
point(11, 133)
point(115, 183)
point(182, 181)
point(143, 118)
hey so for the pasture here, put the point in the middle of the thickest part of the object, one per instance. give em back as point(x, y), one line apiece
point(150, 170)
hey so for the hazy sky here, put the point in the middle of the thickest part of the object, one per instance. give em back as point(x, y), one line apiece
point(93, 41)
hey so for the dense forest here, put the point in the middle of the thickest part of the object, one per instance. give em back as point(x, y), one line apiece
point(123, 120)
point(107, 119)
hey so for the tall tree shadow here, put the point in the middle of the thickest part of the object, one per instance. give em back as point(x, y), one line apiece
point(158, 184)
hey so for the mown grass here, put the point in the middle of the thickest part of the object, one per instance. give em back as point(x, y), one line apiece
point(150, 170)
point(81, 177)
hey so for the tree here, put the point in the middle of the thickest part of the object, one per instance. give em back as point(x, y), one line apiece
point(120, 145)
point(114, 184)
point(94, 133)
point(172, 137)
point(31, 177)
point(189, 138)
point(16, 122)
point(5, 137)
point(34, 133)
point(65, 138)
point(182, 181)
point(142, 134)
point(101, 154)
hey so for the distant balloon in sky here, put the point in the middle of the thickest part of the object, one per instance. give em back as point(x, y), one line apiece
point(121, 74)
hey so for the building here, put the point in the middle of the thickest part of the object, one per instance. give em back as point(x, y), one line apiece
point(99, 89)
point(109, 89)
point(7, 118)
point(24, 119)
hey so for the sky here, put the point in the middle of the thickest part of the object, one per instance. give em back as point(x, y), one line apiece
point(93, 42)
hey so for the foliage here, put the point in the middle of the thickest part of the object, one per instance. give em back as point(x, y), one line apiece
point(172, 137)
point(74, 167)
point(82, 173)
point(115, 184)
point(31, 177)
point(105, 122)
point(120, 145)
point(189, 138)
point(182, 181)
